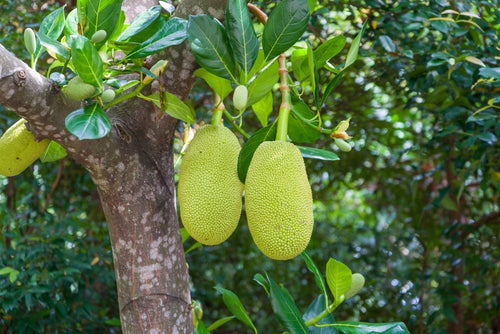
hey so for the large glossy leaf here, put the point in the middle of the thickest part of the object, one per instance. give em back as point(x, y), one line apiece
point(89, 122)
point(317, 153)
point(81, 7)
point(265, 134)
point(264, 108)
point(52, 26)
point(86, 60)
point(210, 46)
point(339, 279)
point(263, 83)
point(318, 277)
point(328, 50)
point(285, 309)
point(221, 86)
point(352, 327)
point(102, 15)
point(235, 307)
point(71, 23)
point(141, 26)
point(173, 32)
point(286, 24)
point(242, 36)
point(53, 46)
point(315, 308)
point(173, 106)
point(298, 130)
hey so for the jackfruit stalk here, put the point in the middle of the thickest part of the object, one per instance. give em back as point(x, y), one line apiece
point(278, 200)
point(209, 188)
point(18, 149)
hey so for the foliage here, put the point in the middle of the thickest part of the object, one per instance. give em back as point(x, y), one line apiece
point(413, 207)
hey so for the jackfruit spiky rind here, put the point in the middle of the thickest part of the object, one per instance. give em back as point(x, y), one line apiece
point(18, 149)
point(209, 189)
point(278, 200)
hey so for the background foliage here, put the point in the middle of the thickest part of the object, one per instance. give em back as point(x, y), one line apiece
point(414, 207)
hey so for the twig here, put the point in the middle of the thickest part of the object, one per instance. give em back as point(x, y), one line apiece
point(54, 185)
point(261, 16)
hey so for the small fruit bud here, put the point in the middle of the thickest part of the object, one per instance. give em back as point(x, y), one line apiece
point(342, 145)
point(240, 97)
point(108, 95)
point(197, 312)
point(358, 281)
point(98, 36)
point(30, 40)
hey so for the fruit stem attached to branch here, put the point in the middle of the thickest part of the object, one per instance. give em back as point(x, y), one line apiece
point(231, 119)
point(285, 107)
point(217, 110)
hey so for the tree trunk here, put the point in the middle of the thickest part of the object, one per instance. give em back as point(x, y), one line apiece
point(132, 168)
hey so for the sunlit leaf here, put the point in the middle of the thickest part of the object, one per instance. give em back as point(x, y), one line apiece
point(89, 122)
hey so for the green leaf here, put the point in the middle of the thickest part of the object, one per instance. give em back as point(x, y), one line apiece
point(200, 328)
point(318, 277)
point(184, 234)
point(487, 137)
point(102, 15)
point(53, 152)
point(285, 309)
point(173, 32)
point(352, 327)
point(81, 7)
point(6, 270)
point(263, 83)
point(265, 134)
point(286, 24)
point(315, 308)
point(173, 106)
point(86, 60)
point(89, 122)
point(298, 130)
point(235, 307)
point(328, 50)
point(262, 282)
point(352, 55)
point(241, 35)
point(300, 67)
point(319, 154)
point(448, 203)
point(313, 73)
point(339, 279)
point(53, 46)
point(264, 108)
point(331, 86)
point(387, 43)
point(52, 26)
point(71, 23)
point(220, 86)
point(358, 281)
point(142, 26)
point(490, 72)
point(210, 46)
point(220, 322)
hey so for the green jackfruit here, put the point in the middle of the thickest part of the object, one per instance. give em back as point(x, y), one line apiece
point(209, 188)
point(278, 200)
point(78, 89)
point(18, 149)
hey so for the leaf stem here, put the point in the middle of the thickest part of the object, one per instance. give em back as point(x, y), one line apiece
point(313, 321)
point(136, 92)
point(261, 16)
point(285, 107)
point(232, 120)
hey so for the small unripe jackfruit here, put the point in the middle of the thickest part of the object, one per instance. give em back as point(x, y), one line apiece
point(278, 200)
point(209, 188)
point(240, 97)
point(18, 149)
point(78, 89)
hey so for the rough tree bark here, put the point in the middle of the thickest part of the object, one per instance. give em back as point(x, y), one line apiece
point(132, 168)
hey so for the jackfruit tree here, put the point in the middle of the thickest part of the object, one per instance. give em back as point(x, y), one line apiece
point(112, 99)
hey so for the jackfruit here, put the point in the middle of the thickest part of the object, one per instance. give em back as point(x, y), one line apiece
point(209, 188)
point(78, 89)
point(278, 200)
point(18, 149)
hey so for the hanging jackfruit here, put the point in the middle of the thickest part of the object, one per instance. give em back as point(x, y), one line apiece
point(278, 200)
point(209, 188)
point(18, 149)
